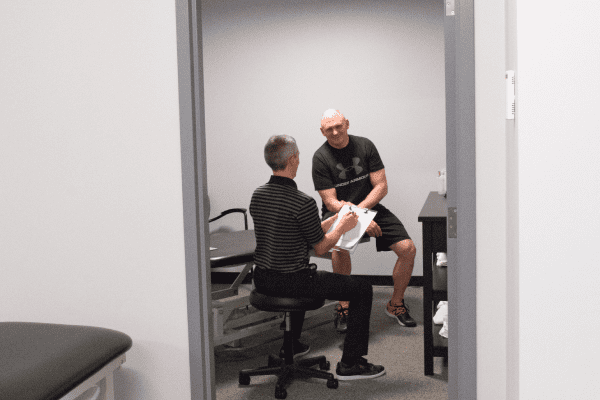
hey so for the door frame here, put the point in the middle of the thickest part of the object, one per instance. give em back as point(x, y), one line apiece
point(460, 159)
point(195, 198)
point(459, 45)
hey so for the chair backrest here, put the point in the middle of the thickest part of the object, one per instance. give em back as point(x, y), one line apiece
point(233, 210)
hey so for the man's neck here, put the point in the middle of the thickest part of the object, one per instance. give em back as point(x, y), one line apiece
point(286, 173)
point(342, 146)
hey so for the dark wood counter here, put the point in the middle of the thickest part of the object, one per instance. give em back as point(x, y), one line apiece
point(435, 279)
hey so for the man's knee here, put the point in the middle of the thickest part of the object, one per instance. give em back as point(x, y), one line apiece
point(341, 256)
point(343, 253)
point(405, 249)
point(412, 249)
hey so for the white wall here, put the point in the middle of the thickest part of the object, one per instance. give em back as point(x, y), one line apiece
point(554, 146)
point(91, 229)
point(271, 69)
point(558, 126)
point(491, 210)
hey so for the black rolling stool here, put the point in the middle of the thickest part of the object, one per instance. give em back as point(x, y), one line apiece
point(286, 368)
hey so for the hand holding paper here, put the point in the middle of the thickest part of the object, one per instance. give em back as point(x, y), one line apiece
point(348, 221)
point(350, 239)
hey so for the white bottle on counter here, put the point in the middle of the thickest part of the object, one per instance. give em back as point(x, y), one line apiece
point(442, 182)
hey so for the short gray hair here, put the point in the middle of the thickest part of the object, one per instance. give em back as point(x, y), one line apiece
point(278, 150)
point(332, 112)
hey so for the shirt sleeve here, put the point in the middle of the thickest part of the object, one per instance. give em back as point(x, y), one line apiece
point(374, 160)
point(321, 174)
point(309, 222)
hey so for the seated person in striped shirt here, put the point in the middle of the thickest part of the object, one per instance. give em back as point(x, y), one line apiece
point(286, 225)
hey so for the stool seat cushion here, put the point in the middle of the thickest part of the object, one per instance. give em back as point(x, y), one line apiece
point(45, 361)
point(281, 304)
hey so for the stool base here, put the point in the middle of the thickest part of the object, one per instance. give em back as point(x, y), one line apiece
point(286, 372)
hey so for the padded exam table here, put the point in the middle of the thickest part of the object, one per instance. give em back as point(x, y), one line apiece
point(59, 362)
point(232, 249)
point(234, 318)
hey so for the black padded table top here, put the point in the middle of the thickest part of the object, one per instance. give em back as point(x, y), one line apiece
point(45, 361)
point(434, 209)
point(235, 248)
point(232, 248)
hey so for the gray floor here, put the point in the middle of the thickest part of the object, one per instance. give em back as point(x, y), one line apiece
point(398, 349)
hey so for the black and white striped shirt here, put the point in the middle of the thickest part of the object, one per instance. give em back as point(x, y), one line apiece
point(286, 225)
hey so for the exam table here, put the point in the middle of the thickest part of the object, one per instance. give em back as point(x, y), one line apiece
point(233, 316)
point(40, 361)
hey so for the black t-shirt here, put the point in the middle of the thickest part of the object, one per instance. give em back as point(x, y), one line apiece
point(347, 170)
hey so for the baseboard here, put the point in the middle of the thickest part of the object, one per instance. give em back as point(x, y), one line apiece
point(386, 280)
point(376, 280)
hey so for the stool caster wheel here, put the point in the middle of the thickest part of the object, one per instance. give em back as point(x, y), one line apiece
point(332, 383)
point(244, 379)
point(280, 393)
point(325, 366)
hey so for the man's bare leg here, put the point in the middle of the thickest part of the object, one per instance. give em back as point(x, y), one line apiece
point(396, 308)
point(342, 264)
point(406, 251)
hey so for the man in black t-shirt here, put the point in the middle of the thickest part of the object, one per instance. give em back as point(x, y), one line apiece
point(347, 169)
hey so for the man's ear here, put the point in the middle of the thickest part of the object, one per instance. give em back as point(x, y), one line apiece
point(347, 124)
point(291, 160)
point(322, 131)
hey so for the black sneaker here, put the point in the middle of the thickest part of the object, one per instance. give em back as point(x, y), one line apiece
point(400, 313)
point(341, 319)
point(300, 349)
point(361, 370)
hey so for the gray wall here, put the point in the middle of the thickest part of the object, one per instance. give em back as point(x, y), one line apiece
point(271, 68)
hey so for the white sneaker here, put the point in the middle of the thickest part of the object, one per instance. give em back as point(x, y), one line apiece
point(442, 260)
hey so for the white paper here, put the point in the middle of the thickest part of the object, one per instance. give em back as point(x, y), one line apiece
point(350, 239)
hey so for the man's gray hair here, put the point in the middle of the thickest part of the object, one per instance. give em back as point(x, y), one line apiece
point(332, 112)
point(278, 150)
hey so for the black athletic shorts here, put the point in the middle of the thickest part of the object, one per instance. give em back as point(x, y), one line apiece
point(391, 228)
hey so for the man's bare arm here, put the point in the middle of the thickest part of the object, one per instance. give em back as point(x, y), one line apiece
point(325, 225)
point(347, 222)
point(329, 197)
point(380, 189)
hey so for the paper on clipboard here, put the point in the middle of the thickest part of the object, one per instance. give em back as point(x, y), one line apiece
point(350, 239)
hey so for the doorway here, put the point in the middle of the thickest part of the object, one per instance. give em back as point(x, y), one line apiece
point(196, 183)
